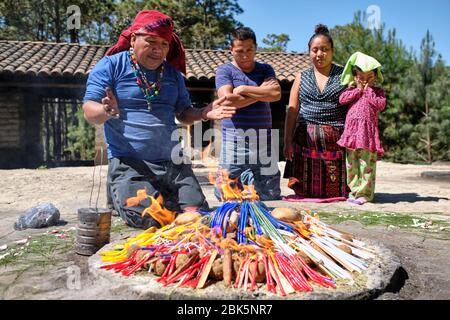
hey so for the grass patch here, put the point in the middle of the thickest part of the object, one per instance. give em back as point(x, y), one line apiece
point(42, 250)
point(401, 220)
point(370, 218)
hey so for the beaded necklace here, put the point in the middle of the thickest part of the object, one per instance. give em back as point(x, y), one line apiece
point(149, 89)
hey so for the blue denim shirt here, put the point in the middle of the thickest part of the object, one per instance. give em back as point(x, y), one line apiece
point(138, 133)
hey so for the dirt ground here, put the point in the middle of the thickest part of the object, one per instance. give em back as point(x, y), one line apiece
point(400, 192)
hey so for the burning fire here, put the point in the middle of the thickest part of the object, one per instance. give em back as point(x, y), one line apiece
point(313, 223)
point(156, 210)
point(243, 244)
point(140, 196)
point(231, 189)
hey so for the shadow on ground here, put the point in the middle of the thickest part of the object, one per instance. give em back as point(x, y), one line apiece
point(404, 197)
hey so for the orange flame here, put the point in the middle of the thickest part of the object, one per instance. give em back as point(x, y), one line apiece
point(155, 210)
point(140, 196)
point(212, 178)
point(314, 226)
point(301, 228)
point(249, 193)
point(230, 189)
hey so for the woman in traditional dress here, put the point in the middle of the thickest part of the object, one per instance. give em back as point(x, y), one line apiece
point(315, 121)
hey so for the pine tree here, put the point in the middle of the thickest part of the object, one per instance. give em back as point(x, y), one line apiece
point(81, 137)
point(46, 20)
point(430, 95)
point(202, 24)
point(275, 42)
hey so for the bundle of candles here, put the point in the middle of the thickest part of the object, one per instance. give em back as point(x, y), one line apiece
point(244, 245)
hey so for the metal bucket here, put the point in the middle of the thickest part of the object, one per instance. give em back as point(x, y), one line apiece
point(93, 230)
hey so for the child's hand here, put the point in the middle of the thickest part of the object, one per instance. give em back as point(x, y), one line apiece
point(360, 84)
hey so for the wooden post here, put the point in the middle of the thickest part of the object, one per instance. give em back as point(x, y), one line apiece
point(52, 126)
point(57, 132)
point(47, 132)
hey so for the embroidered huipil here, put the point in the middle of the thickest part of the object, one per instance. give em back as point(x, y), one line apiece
point(361, 123)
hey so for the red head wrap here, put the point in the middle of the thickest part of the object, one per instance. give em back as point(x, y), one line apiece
point(154, 23)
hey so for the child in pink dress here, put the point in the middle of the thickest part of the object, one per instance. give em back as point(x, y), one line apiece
point(360, 136)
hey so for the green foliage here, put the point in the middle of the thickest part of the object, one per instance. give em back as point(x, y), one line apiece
point(275, 42)
point(414, 126)
point(46, 20)
point(81, 137)
point(96, 21)
point(204, 24)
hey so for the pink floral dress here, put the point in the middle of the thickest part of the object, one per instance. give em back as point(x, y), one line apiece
point(361, 123)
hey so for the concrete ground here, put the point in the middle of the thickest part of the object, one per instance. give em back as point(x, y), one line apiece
point(410, 216)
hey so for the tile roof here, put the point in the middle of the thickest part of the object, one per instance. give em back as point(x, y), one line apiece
point(76, 60)
point(202, 64)
point(48, 59)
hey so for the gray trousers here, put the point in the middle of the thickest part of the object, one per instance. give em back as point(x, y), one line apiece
point(176, 183)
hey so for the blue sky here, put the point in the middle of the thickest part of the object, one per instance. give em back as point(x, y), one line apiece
point(297, 18)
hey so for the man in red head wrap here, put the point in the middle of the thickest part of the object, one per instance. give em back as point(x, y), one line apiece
point(137, 91)
point(155, 24)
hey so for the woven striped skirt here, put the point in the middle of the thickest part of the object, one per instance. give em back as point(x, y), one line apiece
point(318, 167)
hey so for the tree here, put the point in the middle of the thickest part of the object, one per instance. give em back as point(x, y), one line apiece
point(412, 127)
point(46, 20)
point(276, 42)
point(204, 24)
point(97, 24)
point(430, 86)
point(81, 137)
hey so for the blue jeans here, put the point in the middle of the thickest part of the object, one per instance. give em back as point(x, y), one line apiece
point(176, 183)
point(254, 153)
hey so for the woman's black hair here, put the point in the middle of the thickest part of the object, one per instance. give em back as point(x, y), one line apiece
point(321, 30)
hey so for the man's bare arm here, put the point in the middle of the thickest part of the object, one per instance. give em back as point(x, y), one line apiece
point(268, 91)
point(216, 110)
point(234, 100)
point(99, 113)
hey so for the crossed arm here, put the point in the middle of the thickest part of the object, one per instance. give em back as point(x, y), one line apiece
point(243, 96)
